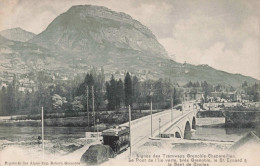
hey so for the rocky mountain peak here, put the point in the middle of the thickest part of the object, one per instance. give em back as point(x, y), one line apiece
point(96, 28)
point(85, 11)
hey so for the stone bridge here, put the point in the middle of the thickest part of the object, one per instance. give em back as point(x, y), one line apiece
point(180, 127)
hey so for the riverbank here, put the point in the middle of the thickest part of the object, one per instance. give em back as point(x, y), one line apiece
point(234, 118)
point(106, 118)
point(22, 144)
point(211, 122)
point(210, 114)
point(61, 142)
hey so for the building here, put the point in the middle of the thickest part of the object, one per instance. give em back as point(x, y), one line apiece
point(192, 94)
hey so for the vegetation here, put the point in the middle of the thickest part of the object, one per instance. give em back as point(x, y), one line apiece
point(72, 98)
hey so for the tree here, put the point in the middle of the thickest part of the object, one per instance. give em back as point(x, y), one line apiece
point(99, 82)
point(120, 95)
point(136, 89)
point(197, 84)
point(244, 84)
point(207, 88)
point(128, 89)
point(27, 105)
point(158, 91)
point(174, 97)
point(112, 93)
point(84, 88)
point(58, 101)
point(146, 91)
point(189, 84)
point(223, 96)
point(255, 93)
point(88, 82)
point(3, 101)
point(76, 104)
point(10, 103)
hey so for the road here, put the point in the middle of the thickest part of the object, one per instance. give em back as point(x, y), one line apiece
point(141, 131)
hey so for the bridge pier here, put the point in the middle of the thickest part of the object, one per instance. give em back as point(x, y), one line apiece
point(181, 127)
point(194, 123)
point(187, 131)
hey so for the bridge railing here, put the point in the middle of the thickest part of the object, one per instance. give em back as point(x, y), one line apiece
point(170, 124)
point(143, 118)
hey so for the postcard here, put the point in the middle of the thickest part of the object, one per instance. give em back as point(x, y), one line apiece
point(133, 82)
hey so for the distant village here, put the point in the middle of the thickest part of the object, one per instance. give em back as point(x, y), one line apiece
point(222, 98)
point(220, 94)
point(23, 93)
point(28, 82)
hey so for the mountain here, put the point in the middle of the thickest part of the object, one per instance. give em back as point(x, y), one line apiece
point(17, 34)
point(92, 36)
point(22, 57)
point(93, 28)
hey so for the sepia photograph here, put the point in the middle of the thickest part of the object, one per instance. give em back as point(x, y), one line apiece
point(129, 82)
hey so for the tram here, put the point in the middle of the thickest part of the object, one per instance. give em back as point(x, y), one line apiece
point(117, 138)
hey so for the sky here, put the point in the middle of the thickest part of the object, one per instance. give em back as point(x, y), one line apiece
point(223, 34)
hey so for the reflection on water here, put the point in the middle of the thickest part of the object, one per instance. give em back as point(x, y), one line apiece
point(220, 134)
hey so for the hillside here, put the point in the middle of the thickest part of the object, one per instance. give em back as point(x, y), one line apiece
point(96, 36)
point(92, 29)
point(17, 34)
point(92, 36)
point(22, 57)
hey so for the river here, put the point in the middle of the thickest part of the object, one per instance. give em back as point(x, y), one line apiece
point(16, 133)
point(208, 129)
point(214, 129)
point(220, 134)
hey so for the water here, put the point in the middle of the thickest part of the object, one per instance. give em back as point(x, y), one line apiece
point(17, 134)
point(220, 134)
point(213, 130)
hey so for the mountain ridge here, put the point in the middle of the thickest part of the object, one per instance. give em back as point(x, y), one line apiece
point(89, 27)
point(88, 36)
point(17, 34)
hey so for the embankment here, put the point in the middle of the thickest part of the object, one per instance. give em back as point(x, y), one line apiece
point(105, 118)
point(242, 119)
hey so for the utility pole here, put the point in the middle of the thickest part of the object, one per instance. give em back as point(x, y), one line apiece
point(159, 127)
point(97, 129)
point(171, 108)
point(42, 134)
point(93, 106)
point(130, 132)
point(87, 107)
point(151, 118)
point(182, 105)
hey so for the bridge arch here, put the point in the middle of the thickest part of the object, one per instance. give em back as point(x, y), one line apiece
point(193, 123)
point(187, 131)
point(177, 134)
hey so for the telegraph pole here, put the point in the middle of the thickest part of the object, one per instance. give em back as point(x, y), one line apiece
point(171, 108)
point(97, 129)
point(182, 105)
point(87, 107)
point(159, 127)
point(42, 133)
point(151, 118)
point(93, 104)
point(130, 132)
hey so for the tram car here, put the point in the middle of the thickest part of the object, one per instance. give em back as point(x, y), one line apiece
point(117, 138)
